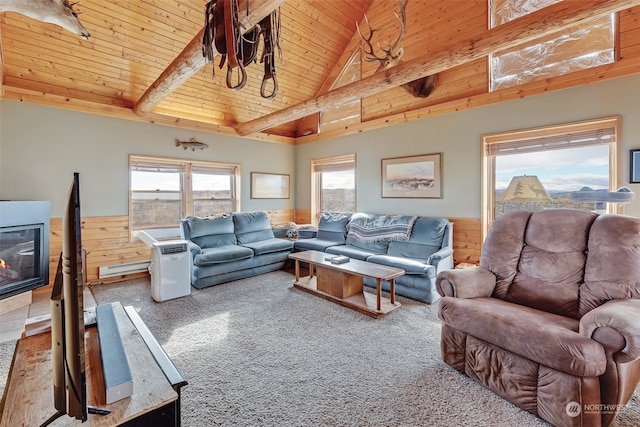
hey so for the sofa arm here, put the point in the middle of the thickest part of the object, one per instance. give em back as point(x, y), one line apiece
point(615, 325)
point(194, 249)
point(442, 254)
point(473, 282)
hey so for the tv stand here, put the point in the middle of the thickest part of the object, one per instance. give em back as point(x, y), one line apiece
point(28, 395)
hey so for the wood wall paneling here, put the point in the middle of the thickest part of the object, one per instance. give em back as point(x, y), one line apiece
point(302, 216)
point(467, 240)
point(105, 241)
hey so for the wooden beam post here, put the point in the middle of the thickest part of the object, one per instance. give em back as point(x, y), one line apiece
point(191, 60)
point(524, 29)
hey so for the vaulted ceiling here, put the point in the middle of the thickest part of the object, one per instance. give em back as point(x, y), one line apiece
point(144, 61)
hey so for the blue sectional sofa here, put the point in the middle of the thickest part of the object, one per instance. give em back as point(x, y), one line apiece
point(232, 246)
point(422, 246)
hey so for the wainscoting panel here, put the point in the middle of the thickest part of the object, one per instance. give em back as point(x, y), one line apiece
point(105, 241)
point(303, 216)
point(467, 240)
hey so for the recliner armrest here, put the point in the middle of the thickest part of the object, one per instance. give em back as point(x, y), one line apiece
point(473, 282)
point(616, 325)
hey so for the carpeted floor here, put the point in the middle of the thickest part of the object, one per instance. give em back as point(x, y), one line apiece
point(258, 352)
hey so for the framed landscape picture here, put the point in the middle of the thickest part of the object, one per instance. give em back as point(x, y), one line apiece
point(634, 167)
point(269, 186)
point(412, 177)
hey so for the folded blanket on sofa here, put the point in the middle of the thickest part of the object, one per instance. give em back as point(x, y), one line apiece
point(380, 228)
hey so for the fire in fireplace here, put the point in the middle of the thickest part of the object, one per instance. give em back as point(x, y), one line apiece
point(24, 246)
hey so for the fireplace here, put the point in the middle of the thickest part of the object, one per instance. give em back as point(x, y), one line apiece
point(24, 246)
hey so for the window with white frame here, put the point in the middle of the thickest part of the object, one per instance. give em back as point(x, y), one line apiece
point(551, 167)
point(334, 185)
point(586, 45)
point(162, 191)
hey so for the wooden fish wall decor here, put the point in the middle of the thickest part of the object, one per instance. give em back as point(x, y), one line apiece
point(192, 143)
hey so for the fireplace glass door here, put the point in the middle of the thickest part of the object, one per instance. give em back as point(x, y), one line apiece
point(20, 258)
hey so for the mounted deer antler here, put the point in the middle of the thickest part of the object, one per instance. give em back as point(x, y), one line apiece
point(421, 87)
point(58, 12)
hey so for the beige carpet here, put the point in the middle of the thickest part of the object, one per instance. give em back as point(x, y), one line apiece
point(258, 352)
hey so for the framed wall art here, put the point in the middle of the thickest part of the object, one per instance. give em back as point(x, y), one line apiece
point(269, 186)
point(412, 177)
point(634, 167)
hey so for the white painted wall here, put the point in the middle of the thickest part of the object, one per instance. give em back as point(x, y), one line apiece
point(458, 137)
point(43, 146)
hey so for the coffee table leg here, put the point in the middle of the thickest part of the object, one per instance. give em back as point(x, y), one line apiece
point(392, 291)
point(311, 268)
point(379, 293)
point(297, 271)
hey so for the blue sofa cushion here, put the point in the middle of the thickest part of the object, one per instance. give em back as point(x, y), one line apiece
point(222, 254)
point(425, 240)
point(410, 266)
point(270, 245)
point(372, 247)
point(350, 251)
point(412, 250)
point(211, 232)
point(314, 244)
point(252, 227)
point(333, 227)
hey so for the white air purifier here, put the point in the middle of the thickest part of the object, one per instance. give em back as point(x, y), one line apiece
point(170, 270)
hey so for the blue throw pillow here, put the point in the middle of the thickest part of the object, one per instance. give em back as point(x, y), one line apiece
point(333, 227)
point(217, 224)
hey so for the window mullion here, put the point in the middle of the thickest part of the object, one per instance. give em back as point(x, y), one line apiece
point(187, 191)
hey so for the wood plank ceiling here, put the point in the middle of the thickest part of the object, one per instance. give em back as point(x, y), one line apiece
point(133, 42)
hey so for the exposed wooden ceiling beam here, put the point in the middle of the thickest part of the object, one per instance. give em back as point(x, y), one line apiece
point(191, 60)
point(529, 27)
point(1, 68)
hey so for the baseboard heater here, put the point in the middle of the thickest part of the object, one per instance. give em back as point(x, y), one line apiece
point(123, 269)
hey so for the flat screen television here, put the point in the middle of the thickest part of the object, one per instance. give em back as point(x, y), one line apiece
point(67, 319)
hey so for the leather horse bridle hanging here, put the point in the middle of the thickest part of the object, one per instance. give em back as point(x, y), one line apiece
point(238, 48)
point(269, 37)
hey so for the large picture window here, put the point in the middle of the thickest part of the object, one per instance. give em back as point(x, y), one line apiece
point(162, 191)
point(551, 167)
point(334, 185)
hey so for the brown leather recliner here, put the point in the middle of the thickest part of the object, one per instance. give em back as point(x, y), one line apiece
point(550, 320)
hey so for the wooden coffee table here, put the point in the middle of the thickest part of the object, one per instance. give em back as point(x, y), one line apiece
point(342, 283)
